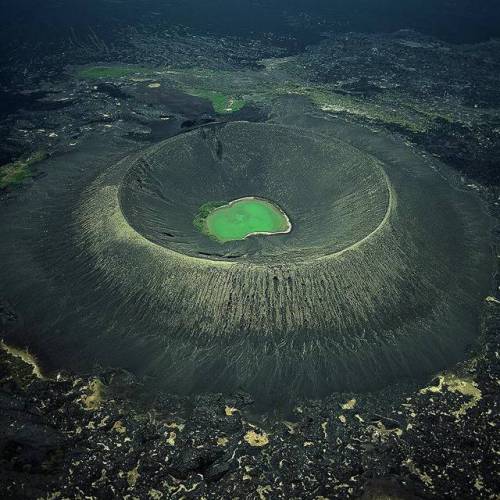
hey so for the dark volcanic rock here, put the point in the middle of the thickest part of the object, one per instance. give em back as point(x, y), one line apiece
point(101, 438)
point(107, 436)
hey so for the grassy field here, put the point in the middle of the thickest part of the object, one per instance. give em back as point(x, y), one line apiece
point(222, 103)
point(111, 72)
point(224, 90)
point(18, 171)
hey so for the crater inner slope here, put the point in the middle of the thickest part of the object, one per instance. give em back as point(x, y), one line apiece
point(334, 195)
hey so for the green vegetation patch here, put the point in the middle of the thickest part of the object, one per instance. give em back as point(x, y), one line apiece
point(241, 218)
point(222, 103)
point(16, 172)
point(204, 211)
point(111, 72)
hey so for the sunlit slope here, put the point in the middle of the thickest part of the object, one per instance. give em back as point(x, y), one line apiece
point(364, 289)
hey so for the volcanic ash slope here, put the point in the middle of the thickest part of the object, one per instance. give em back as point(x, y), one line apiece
point(369, 286)
point(380, 278)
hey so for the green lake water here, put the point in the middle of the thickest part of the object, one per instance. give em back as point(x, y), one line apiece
point(246, 216)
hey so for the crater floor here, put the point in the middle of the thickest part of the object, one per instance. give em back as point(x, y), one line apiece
point(245, 217)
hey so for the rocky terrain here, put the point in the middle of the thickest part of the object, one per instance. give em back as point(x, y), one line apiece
point(103, 435)
point(440, 96)
point(99, 437)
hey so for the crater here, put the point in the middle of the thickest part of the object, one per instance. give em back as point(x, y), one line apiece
point(334, 194)
point(369, 287)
